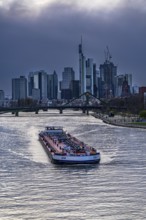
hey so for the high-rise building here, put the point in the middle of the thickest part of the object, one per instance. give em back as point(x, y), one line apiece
point(68, 75)
point(30, 83)
point(19, 88)
point(125, 88)
point(52, 86)
point(2, 97)
point(37, 85)
point(135, 89)
point(89, 76)
point(120, 79)
point(108, 72)
point(40, 82)
point(129, 80)
point(74, 86)
point(119, 83)
point(142, 90)
point(82, 70)
point(95, 81)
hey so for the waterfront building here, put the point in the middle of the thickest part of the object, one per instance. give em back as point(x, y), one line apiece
point(19, 88)
point(52, 86)
point(2, 97)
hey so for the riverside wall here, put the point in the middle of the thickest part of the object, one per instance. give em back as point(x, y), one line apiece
point(118, 120)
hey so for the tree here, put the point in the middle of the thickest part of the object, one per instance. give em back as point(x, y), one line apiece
point(143, 114)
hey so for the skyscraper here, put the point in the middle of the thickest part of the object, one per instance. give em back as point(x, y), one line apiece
point(19, 88)
point(37, 85)
point(82, 70)
point(68, 75)
point(89, 75)
point(52, 86)
point(108, 72)
point(30, 83)
point(2, 97)
point(121, 90)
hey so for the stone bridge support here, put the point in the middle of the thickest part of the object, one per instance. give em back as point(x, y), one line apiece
point(61, 110)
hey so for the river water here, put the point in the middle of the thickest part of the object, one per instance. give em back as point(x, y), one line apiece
point(33, 188)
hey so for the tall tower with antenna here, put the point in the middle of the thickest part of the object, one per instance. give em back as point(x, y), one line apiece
point(82, 69)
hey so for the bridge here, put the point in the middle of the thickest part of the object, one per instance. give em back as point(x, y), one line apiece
point(85, 102)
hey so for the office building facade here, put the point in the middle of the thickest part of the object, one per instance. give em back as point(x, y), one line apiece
point(19, 88)
point(68, 76)
point(52, 86)
point(2, 97)
point(82, 70)
point(108, 73)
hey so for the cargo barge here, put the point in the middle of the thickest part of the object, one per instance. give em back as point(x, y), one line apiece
point(63, 148)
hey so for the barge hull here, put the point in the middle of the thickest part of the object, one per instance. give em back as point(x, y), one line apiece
point(65, 161)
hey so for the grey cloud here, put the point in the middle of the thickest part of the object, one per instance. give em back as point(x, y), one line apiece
point(50, 40)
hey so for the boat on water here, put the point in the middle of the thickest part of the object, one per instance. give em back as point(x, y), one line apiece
point(63, 148)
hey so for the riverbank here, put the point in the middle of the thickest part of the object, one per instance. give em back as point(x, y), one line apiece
point(118, 120)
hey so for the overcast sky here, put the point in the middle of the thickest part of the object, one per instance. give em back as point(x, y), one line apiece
point(44, 34)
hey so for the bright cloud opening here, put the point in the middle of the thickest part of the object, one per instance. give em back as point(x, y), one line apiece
point(95, 5)
point(38, 4)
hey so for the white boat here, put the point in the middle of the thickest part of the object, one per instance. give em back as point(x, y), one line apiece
point(63, 148)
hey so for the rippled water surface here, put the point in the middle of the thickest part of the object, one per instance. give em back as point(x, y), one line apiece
point(33, 188)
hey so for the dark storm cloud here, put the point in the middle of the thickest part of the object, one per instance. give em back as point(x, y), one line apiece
point(50, 40)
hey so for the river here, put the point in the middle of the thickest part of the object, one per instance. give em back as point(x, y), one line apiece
point(33, 188)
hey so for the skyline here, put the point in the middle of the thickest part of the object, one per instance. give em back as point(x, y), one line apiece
point(45, 35)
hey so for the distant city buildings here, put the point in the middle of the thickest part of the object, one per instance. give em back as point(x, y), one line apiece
point(102, 82)
point(42, 86)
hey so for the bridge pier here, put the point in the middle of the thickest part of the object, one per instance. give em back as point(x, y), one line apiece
point(61, 110)
point(16, 114)
point(84, 110)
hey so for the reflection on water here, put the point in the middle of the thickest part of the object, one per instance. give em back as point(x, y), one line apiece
point(33, 188)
